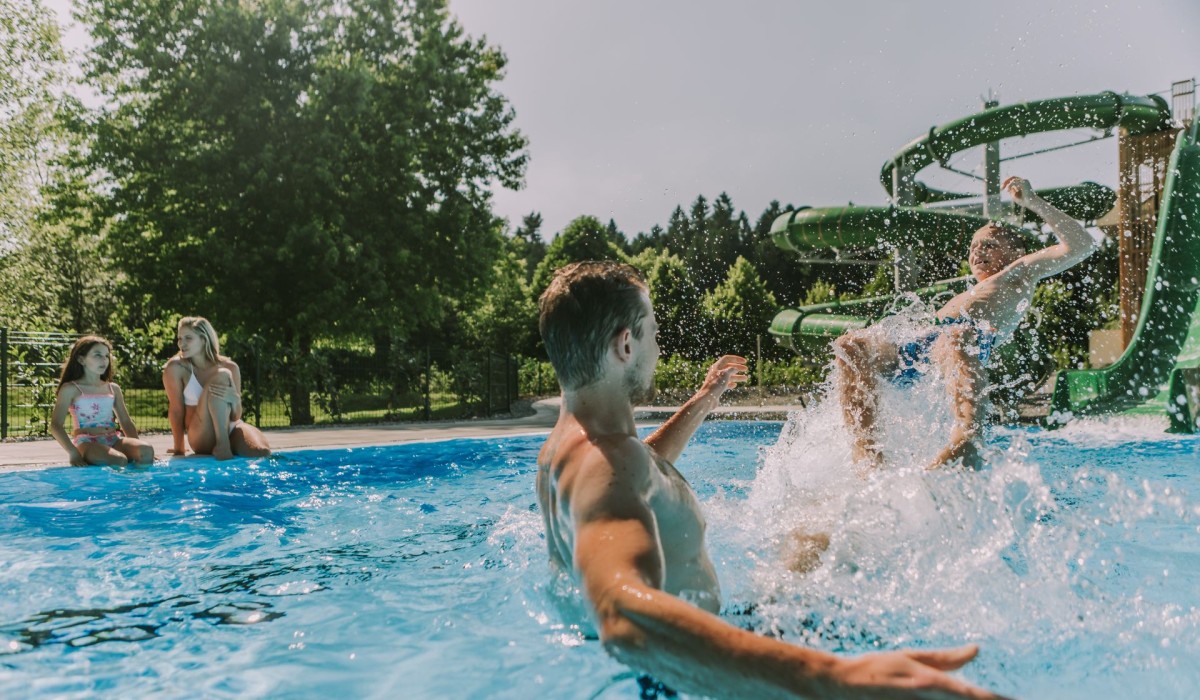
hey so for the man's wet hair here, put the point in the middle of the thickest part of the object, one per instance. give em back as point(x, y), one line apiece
point(582, 309)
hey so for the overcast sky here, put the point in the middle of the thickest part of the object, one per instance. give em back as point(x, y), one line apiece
point(632, 107)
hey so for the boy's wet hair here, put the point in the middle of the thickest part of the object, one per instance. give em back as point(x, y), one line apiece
point(584, 306)
point(1011, 237)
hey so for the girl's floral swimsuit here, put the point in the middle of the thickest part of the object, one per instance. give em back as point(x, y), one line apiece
point(93, 411)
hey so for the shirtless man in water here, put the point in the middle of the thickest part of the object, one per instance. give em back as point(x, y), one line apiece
point(969, 326)
point(626, 526)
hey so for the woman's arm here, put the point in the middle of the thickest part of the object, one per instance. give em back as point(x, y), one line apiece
point(66, 394)
point(176, 411)
point(235, 402)
point(123, 418)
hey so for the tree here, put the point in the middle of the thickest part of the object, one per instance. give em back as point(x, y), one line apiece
point(785, 275)
point(528, 243)
point(654, 240)
point(506, 320)
point(301, 169)
point(741, 307)
point(585, 238)
point(683, 325)
point(616, 236)
point(32, 70)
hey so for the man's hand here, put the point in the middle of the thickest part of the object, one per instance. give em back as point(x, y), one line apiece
point(670, 439)
point(725, 373)
point(910, 674)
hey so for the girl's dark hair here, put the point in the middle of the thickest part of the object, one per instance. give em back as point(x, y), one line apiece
point(72, 369)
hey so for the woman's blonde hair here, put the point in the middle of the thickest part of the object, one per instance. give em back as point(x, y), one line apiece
point(199, 324)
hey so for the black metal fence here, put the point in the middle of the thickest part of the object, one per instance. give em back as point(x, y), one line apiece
point(325, 385)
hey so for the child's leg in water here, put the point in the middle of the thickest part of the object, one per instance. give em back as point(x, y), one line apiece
point(860, 360)
point(966, 380)
point(135, 450)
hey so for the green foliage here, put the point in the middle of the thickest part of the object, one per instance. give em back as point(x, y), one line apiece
point(785, 276)
point(792, 373)
point(821, 292)
point(31, 69)
point(527, 243)
point(881, 284)
point(585, 238)
point(536, 378)
point(279, 151)
point(675, 372)
point(682, 322)
point(32, 76)
point(677, 375)
point(741, 308)
point(327, 164)
point(506, 319)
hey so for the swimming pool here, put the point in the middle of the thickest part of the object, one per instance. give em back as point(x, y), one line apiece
point(419, 570)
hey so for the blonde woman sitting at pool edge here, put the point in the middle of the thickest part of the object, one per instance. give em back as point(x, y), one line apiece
point(204, 394)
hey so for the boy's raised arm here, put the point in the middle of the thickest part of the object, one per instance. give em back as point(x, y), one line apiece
point(1074, 243)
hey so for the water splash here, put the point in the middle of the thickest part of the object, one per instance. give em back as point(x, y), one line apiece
point(1068, 565)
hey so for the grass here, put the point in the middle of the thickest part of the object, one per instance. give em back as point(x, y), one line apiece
point(29, 412)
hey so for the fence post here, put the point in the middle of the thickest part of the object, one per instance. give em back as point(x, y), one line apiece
point(758, 363)
point(488, 374)
point(428, 371)
point(512, 381)
point(258, 388)
point(3, 383)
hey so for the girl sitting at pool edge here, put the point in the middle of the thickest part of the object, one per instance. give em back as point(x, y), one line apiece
point(204, 395)
point(85, 390)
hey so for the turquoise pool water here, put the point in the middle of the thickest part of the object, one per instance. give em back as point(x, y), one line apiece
point(419, 570)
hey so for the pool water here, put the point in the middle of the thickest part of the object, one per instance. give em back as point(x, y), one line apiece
point(419, 570)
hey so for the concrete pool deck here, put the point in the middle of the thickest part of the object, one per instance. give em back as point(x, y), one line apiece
point(42, 453)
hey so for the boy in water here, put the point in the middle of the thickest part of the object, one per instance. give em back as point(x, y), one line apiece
point(626, 526)
point(969, 326)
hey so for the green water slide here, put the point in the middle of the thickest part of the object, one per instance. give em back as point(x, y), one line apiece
point(1160, 369)
point(804, 328)
point(808, 229)
point(1105, 110)
point(919, 227)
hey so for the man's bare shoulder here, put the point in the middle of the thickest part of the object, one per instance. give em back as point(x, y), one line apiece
point(599, 469)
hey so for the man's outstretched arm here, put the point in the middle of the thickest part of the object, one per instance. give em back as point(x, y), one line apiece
point(670, 439)
point(618, 556)
point(1074, 242)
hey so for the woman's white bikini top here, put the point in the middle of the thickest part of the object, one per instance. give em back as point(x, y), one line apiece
point(193, 390)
